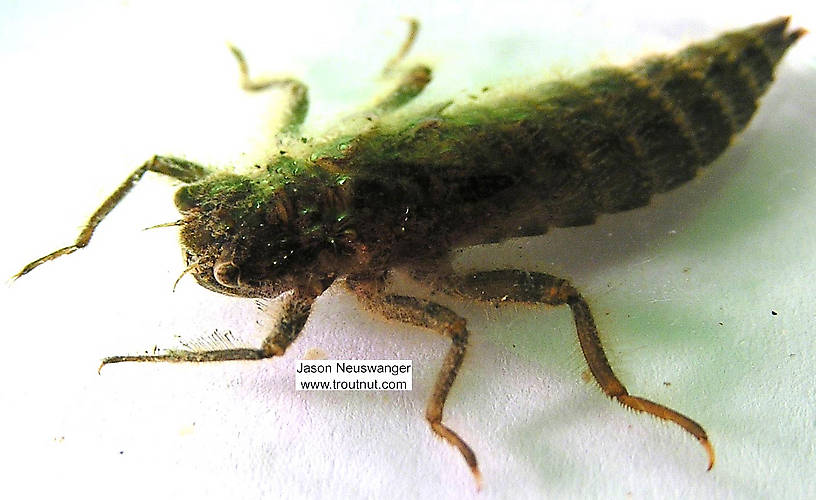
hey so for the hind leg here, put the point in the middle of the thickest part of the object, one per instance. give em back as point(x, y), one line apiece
point(539, 288)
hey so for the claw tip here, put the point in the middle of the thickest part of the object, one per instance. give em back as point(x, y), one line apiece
point(477, 476)
point(710, 451)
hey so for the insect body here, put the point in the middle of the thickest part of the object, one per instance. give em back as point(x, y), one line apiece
point(407, 188)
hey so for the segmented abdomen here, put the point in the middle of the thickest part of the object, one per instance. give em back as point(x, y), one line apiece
point(566, 151)
point(622, 134)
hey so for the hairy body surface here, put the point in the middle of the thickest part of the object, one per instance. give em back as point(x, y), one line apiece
point(406, 189)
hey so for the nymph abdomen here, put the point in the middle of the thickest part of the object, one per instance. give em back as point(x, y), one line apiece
point(604, 142)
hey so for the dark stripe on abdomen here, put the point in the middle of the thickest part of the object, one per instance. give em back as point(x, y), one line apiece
point(667, 155)
point(696, 99)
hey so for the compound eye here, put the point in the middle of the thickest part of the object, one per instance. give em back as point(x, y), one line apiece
point(185, 199)
point(226, 274)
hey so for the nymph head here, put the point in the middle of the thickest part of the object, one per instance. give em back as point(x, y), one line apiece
point(261, 235)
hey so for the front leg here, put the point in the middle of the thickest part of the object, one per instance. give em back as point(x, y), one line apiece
point(296, 311)
point(536, 288)
point(183, 170)
point(441, 320)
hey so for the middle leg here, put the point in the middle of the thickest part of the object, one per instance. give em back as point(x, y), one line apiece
point(410, 83)
point(298, 103)
point(441, 320)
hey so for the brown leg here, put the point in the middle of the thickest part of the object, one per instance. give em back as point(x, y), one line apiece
point(295, 313)
point(441, 320)
point(413, 30)
point(177, 168)
point(520, 286)
point(299, 92)
point(409, 83)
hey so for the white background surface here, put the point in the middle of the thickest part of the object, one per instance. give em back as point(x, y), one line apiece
point(682, 290)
